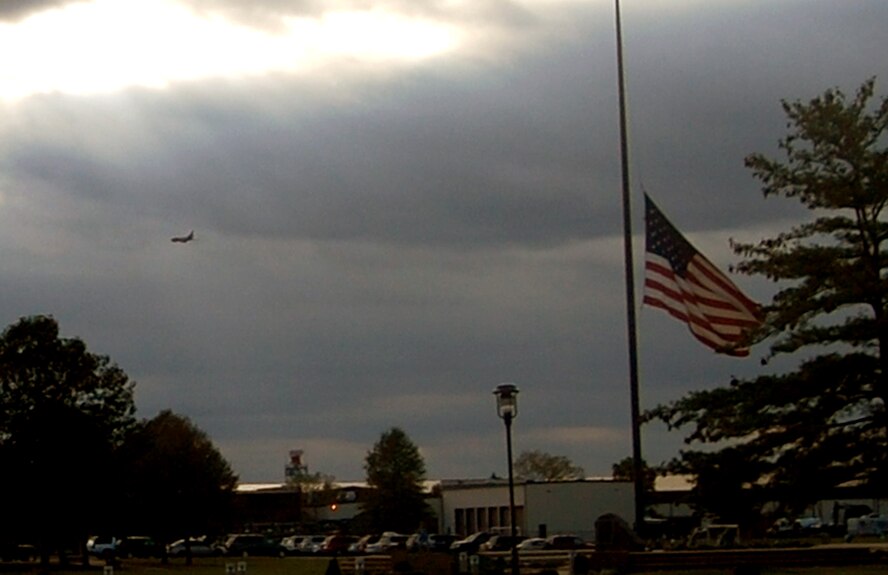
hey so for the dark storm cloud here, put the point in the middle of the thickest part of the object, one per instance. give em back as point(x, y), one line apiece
point(383, 247)
point(439, 159)
point(13, 10)
point(465, 157)
point(705, 90)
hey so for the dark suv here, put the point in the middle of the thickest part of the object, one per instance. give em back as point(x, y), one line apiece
point(567, 542)
point(501, 543)
point(244, 544)
point(139, 546)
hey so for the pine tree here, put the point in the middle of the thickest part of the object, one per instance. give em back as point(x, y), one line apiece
point(395, 472)
point(793, 437)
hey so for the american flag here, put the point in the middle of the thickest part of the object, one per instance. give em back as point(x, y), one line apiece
point(681, 281)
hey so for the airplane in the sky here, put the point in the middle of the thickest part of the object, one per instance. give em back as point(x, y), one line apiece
point(183, 239)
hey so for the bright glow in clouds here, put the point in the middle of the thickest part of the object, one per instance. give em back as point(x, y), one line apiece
point(107, 45)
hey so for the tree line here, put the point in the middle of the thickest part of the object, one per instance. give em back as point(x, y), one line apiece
point(77, 462)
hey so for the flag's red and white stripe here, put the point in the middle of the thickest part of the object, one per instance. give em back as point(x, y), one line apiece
point(681, 281)
point(715, 311)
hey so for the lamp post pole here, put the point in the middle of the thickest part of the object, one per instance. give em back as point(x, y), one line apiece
point(507, 409)
point(514, 530)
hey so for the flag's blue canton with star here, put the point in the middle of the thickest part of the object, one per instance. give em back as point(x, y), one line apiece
point(681, 281)
point(665, 241)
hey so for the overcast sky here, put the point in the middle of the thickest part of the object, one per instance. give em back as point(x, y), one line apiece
point(398, 205)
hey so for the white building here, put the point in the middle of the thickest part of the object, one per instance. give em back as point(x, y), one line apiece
point(465, 506)
point(468, 506)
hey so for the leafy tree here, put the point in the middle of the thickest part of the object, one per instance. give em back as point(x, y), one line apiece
point(395, 472)
point(179, 485)
point(540, 466)
point(625, 470)
point(63, 411)
point(791, 437)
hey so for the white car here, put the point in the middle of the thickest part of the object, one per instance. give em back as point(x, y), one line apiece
point(386, 542)
point(533, 544)
point(200, 547)
point(311, 544)
point(291, 543)
point(360, 546)
point(102, 546)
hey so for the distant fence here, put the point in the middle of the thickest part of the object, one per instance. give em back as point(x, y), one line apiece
point(366, 565)
point(822, 556)
point(583, 562)
point(589, 561)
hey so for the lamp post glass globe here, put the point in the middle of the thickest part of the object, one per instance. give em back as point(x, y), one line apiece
point(506, 401)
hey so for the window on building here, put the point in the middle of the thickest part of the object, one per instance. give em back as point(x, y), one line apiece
point(459, 520)
point(504, 516)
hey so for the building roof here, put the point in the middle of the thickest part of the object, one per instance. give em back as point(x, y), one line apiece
point(661, 484)
point(673, 483)
point(428, 486)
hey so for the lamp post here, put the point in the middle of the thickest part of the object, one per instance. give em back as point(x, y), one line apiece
point(507, 409)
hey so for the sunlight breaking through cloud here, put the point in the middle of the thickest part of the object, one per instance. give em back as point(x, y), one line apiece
point(107, 45)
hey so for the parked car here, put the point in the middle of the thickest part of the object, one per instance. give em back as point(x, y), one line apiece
point(200, 547)
point(441, 541)
point(291, 543)
point(104, 546)
point(799, 527)
point(337, 544)
point(808, 524)
point(567, 542)
point(501, 542)
point(387, 542)
point(139, 546)
point(360, 546)
point(873, 524)
point(471, 543)
point(533, 544)
point(311, 544)
point(430, 542)
point(244, 544)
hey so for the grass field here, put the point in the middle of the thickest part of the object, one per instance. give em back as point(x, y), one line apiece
point(200, 566)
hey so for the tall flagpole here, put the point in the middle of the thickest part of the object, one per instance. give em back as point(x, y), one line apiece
point(637, 467)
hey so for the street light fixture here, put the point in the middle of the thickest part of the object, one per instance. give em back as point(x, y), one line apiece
point(507, 410)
